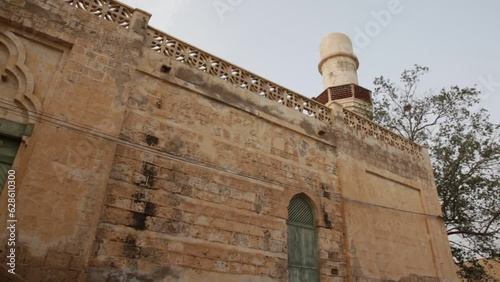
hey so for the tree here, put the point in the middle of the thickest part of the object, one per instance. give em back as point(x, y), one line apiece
point(465, 153)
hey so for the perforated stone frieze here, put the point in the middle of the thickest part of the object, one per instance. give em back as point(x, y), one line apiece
point(376, 131)
point(110, 10)
point(171, 47)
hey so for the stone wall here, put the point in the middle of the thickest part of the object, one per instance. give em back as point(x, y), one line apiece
point(69, 70)
point(200, 190)
point(394, 227)
point(143, 167)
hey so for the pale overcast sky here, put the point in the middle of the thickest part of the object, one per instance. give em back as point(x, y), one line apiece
point(279, 40)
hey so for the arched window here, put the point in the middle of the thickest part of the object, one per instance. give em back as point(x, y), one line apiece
point(302, 242)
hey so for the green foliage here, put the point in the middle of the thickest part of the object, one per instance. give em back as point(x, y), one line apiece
point(465, 153)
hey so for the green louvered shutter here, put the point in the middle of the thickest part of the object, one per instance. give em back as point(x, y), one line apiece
point(302, 245)
point(8, 151)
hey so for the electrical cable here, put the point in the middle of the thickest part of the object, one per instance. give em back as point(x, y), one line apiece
point(49, 119)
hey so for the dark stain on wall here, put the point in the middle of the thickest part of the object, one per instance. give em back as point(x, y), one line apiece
point(151, 140)
point(326, 194)
point(326, 217)
point(139, 221)
point(150, 208)
point(108, 274)
point(139, 196)
point(130, 248)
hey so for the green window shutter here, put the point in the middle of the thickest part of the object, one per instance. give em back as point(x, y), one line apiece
point(3, 174)
point(8, 151)
point(299, 211)
point(302, 242)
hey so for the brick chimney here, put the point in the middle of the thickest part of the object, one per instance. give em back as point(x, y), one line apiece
point(338, 67)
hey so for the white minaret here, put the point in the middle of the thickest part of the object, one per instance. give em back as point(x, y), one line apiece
point(338, 63)
point(338, 66)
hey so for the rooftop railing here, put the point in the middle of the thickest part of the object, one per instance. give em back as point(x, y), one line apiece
point(182, 52)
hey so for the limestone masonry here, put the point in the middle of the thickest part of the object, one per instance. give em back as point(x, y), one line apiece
point(139, 157)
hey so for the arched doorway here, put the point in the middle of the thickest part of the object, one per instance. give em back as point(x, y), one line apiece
point(302, 241)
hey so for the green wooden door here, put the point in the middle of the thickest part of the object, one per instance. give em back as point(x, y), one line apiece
point(302, 244)
point(8, 151)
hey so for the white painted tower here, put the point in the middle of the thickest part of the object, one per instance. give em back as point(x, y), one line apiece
point(338, 63)
point(338, 66)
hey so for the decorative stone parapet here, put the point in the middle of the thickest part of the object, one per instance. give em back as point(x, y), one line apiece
point(171, 47)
